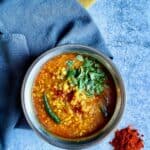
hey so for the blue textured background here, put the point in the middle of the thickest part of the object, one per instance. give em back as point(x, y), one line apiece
point(125, 26)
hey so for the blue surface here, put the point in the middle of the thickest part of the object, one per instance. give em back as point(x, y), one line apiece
point(125, 26)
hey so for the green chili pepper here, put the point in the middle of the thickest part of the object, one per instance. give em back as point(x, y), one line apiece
point(49, 110)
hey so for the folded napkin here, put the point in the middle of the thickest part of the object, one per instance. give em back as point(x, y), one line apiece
point(27, 29)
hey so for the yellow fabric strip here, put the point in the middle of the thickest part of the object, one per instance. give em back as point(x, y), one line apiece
point(86, 3)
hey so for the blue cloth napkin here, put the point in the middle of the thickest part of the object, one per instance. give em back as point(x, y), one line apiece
point(27, 29)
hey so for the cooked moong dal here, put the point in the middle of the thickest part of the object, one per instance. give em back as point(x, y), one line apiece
point(74, 95)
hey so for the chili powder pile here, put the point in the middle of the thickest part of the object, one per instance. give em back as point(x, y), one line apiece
point(127, 139)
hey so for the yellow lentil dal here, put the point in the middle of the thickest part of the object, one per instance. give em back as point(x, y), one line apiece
point(80, 114)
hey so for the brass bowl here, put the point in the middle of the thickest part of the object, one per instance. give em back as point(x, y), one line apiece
point(27, 102)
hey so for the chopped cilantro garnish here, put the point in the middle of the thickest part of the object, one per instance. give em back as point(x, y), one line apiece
point(88, 77)
point(69, 63)
point(79, 57)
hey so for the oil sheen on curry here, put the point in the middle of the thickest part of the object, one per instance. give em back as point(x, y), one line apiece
point(74, 96)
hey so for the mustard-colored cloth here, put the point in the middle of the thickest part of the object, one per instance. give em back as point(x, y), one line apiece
point(86, 3)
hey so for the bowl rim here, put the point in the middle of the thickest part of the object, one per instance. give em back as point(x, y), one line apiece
point(66, 143)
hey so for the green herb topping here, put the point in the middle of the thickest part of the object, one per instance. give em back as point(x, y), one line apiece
point(88, 77)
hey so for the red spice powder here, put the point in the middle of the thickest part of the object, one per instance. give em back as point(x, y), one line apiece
point(127, 139)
